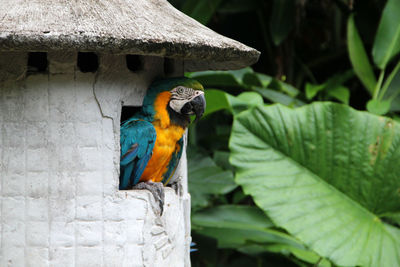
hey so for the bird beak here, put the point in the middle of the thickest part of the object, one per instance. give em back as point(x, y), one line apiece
point(198, 106)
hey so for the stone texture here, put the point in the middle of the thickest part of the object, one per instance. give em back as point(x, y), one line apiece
point(145, 27)
point(59, 163)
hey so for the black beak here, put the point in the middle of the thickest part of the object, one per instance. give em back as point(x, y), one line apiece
point(198, 106)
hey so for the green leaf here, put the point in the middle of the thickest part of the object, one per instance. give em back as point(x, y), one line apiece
point(391, 87)
point(387, 39)
point(232, 216)
point(309, 256)
point(221, 158)
point(201, 11)
point(236, 105)
point(252, 79)
point(378, 107)
point(216, 100)
point(233, 78)
point(282, 20)
point(240, 74)
point(283, 87)
point(278, 97)
point(264, 79)
point(289, 89)
point(359, 58)
point(206, 179)
point(341, 93)
point(235, 238)
point(313, 89)
point(235, 225)
point(333, 87)
point(325, 173)
point(251, 98)
point(219, 100)
point(211, 79)
point(302, 254)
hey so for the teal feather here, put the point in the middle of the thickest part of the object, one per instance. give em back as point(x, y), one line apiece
point(137, 142)
point(173, 163)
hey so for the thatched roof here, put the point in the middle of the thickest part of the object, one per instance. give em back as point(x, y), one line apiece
point(144, 27)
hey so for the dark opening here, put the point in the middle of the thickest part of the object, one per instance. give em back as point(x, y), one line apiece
point(169, 66)
point(37, 62)
point(88, 62)
point(134, 63)
point(128, 111)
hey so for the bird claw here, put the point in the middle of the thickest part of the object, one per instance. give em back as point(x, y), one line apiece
point(156, 189)
point(177, 186)
point(192, 247)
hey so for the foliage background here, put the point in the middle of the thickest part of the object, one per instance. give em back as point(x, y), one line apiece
point(344, 51)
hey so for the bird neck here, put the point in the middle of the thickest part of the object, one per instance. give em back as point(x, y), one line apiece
point(177, 118)
point(160, 108)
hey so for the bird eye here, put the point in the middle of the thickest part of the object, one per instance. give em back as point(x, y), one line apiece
point(180, 90)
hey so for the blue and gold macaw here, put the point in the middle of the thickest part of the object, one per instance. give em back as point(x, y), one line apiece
point(152, 140)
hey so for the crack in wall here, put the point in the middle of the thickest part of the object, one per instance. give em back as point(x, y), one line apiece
point(97, 100)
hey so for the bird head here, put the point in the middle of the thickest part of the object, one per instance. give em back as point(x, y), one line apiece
point(186, 97)
point(187, 100)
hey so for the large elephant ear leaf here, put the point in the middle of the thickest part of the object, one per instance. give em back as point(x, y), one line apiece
point(326, 173)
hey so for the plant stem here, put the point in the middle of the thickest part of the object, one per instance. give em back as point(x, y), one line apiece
point(306, 70)
point(378, 85)
point(318, 262)
point(389, 80)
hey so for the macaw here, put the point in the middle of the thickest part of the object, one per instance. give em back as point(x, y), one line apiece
point(152, 140)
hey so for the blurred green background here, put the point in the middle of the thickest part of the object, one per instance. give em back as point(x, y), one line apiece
point(315, 187)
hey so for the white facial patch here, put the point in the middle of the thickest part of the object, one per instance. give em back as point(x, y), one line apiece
point(180, 96)
point(177, 105)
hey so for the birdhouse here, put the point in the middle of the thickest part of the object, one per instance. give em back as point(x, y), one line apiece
point(69, 71)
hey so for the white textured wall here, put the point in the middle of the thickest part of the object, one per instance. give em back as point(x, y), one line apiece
point(59, 163)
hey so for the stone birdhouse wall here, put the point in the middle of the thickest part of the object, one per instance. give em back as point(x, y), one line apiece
point(59, 166)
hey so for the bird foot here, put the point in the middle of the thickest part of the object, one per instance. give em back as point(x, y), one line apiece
point(157, 190)
point(177, 186)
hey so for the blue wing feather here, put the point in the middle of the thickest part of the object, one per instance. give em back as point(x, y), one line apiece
point(137, 142)
point(130, 155)
point(173, 163)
